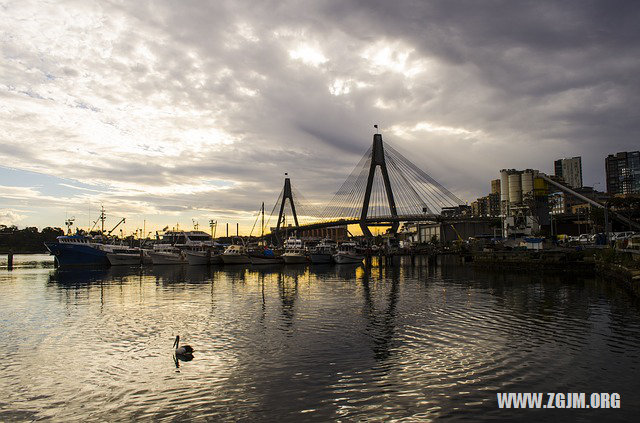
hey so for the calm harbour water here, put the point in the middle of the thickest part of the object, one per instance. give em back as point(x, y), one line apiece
point(309, 343)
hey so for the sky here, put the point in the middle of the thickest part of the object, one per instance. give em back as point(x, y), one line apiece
point(170, 112)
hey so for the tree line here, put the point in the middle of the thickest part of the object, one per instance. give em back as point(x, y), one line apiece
point(27, 240)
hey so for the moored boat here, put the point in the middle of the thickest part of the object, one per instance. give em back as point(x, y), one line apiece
point(77, 250)
point(265, 256)
point(348, 253)
point(235, 254)
point(123, 256)
point(198, 258)
point(203, 255)
point(294, 252)
point(172, 247)
point(167, 254)
point(323, 252)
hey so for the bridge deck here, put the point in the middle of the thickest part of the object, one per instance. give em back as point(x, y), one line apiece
point(379, 220)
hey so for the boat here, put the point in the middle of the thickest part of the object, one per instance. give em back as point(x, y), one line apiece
point(216, 258)
point(235, 254)
point(78, 250)
point(120, 255)
point(323, 252)
point(173, 247)
point(167, 254)
point(294, 252)
point(146, 258)
point(265, 256)
point(198, 257)
point(348, 253)
point(203, 256)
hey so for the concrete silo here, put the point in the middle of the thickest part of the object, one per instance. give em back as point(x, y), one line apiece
point(515, 189)
point(527, 183)
point(504, 192)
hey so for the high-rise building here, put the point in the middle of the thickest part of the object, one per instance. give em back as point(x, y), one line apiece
point(495, 186)
point(570, 170)
point(494, 204)
point(623, 173)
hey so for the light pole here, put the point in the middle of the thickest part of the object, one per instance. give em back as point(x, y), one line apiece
point(213, 224)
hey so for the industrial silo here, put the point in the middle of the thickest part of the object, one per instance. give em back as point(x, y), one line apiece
point(515, 188)
point(504, 185)
point(527, 183)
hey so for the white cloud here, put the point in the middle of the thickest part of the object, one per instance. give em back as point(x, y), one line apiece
point(10, 217)
point(309, 55)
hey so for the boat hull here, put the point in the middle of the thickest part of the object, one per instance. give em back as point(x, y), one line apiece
point(235, 259)
point(259, 259)
point(342, 258)
point(119, 259)
point(74, 255)
point(198, 258)
point(167, 258)
point(146, 258)
point(294, 259)
point(321, 258)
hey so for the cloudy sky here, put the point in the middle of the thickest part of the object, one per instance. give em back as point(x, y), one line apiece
point(177, 110)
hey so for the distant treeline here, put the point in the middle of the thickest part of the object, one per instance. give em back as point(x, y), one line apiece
point(27, 240)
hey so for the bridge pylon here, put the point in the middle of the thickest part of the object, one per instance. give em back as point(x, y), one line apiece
point(377, 159)
point(286, 194)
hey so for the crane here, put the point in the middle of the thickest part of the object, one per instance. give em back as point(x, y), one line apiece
point(114, 228)
point(457, 233)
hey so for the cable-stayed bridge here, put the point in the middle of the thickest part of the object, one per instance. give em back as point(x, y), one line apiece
point(384, 189)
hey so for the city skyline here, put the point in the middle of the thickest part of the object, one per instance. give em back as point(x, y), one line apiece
point(168, 113)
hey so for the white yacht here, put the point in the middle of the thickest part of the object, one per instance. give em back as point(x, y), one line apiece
point(294, 251)
point(323, 252)
point(235, 254)
point(121, 255)
point(347, 253)
point(203, 256)
point(198, 257)
point(167, 254)
point(172, 246)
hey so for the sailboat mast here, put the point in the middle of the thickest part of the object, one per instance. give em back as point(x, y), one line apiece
point(262, 223)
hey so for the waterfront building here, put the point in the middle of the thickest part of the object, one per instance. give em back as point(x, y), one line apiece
point(475, 208)
point(336, 233)
point(458, 211)
point(493, 204)
point(563, 203)
point(479, 207)
point(623, 173)
point(495, 186)
point(524, 202)
point(449, 232)
point(570, 170)
point(488, 206)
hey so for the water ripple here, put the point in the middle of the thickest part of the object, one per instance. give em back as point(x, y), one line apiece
point(305, 343)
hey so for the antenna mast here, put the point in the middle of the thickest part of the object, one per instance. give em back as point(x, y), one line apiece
point(102, 218)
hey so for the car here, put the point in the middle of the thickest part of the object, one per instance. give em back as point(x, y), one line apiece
point(622, 235)
point(584, 238)
point(634, 242)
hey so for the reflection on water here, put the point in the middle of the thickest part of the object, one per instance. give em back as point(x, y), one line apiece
point(317, 342)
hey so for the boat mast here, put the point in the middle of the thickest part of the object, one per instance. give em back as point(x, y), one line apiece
point(262, 224)
point(103, 217)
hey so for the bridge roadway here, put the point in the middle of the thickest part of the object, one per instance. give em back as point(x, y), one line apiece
point(380, 221)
